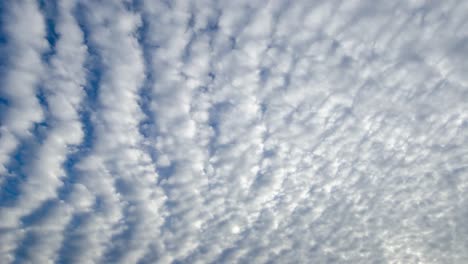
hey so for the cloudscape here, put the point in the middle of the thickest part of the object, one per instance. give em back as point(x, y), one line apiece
point(233, 131)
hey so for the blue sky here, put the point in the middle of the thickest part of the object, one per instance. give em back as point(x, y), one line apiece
point(233, 131)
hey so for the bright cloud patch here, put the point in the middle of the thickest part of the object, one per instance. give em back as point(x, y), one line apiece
point(234, 131)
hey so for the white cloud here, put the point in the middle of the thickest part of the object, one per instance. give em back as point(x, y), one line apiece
point(26, 42)
point(243, 132)
point(63, 92)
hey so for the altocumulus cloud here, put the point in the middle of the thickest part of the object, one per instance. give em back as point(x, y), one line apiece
point(233, 131)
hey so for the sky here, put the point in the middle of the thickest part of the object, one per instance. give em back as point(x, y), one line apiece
point(269, 131)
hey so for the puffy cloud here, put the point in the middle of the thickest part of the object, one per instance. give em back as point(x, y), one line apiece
point(24, 43)
point(62, 89)
point(20, 109)
point(238, 132)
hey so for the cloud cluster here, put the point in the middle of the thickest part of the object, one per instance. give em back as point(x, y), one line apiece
point(234, 132)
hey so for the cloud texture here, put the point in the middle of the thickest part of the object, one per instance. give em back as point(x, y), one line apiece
point(234, 131)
